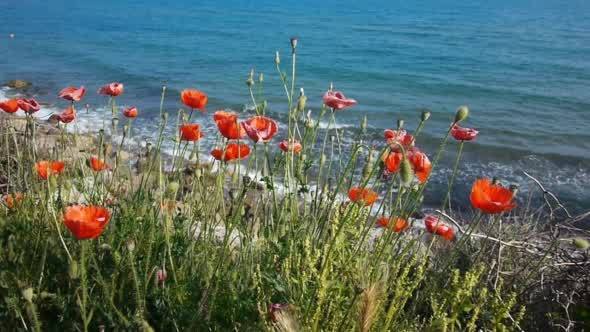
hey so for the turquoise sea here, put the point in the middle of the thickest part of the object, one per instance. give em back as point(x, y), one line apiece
point(523, 67)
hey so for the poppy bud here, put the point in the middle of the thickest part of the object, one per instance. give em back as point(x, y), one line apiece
point(462, 113)
point(368, 169)
point(53, 181)
point(301, 101)
point(28, 294)
point(115, 122)
point(68, 185)
point(581, 243)
point(172, 188)
point(277, 58)
point(105, 247)
point(73, 270)
point(400, 124)
point(293, 43)
point(250, 80)
point(364, 123)
point(309, 121)
point(406, 173)
point(425, 115)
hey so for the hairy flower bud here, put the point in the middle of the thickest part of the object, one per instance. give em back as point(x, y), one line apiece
point(301, 101)
point(406, 172)
point(73, 270)
point(368, 169)
point(250, 80)
point(425, 115)
point(293, 43)
point(462, 113)
point(364, 123)
point(172, 188)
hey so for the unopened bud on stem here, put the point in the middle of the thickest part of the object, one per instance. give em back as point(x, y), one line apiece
point(425, 116)
point(406, 172)
point(400, 124)
point(293, 43)
point(462, 113)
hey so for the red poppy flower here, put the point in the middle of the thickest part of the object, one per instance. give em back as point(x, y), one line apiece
point(435, 226)
point(491, 198)
point(97, 164)
point(190, 132)
point(130, 112)
point(337, 100)
point(86, 222)
point(393, 161)
point(396, 224)
point(420, 163)
point(46, 168)
point(30, 106)
point(228, 125)
point(395, 138)
point(232, 151)
point(9, 106)
point(362, 195)
point(67, 116)
point(463, 134)
point(12, 200)
point(194, 99)
point(260, 128)
point(112, 89)
point(72, 93)
point(291, 145)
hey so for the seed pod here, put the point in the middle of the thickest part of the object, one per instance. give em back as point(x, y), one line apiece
point(462, 113)
point(406, 172)
point(425, 116)
point(400, 124)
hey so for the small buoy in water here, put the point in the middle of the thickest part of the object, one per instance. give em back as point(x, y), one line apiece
point(11, 35)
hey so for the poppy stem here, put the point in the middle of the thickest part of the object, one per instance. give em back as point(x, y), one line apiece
point(83, 285)
point(452, 180)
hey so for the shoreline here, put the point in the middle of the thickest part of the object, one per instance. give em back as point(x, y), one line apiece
point(562, 180)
